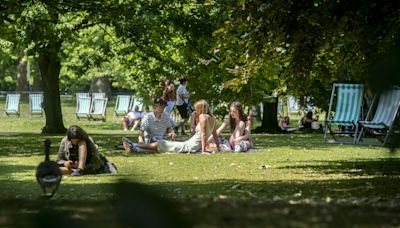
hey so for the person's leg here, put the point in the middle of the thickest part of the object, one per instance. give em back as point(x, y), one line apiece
point(136, 124)
point(139, 147)
point(82, 155)
point(182, 125)
point(125, 122)
point(65, 170)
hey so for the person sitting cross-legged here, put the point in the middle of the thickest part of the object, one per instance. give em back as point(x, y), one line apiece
point(79, 154)
point(284, 124)
point(240, 129)
point(198, 142)
point(155, 125)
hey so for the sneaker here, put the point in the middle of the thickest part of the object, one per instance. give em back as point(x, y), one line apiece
point(76, 172)
point(112, 168)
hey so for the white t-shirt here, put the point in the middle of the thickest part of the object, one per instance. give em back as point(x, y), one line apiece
point(134, 115)
point(181, 91)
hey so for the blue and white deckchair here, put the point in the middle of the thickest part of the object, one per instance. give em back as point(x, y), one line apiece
point(98, 108)
point(137, 101)
point(122, 105)
point(78, 95)
point(386, 111)
point(98, 95)
point(12, 104)
point(35, 104)
point(293, 105)
point(83, 107)
point(347, 112)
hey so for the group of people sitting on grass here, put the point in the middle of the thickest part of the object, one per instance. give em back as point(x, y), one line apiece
point(156, 132)
point(78, 153)
point(306, 123)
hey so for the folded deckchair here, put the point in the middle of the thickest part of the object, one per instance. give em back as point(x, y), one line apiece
point(122, 105)
point(35, 104)
point(382, 123)
point(12, 104)
point(83, 107)
point(347, 111)
point(98, 108)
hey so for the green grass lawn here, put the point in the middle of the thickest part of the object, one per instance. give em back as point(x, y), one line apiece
point(304, 182)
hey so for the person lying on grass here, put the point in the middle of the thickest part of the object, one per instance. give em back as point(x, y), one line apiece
point(79, 154)
point(198, 142)
point(240, 129)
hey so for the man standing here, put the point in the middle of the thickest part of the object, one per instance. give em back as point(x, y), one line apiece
point(182, 100)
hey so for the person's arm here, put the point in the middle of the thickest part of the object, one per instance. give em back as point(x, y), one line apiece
point(221, 129)
point(141, 136)
point(216, 139)
point(240, 133)
point(61, 153)
point(171, 133)
point(203, 128)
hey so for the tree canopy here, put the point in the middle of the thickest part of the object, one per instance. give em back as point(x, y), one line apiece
point(229, 50)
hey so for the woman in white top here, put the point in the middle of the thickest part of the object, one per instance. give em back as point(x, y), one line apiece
point(198, 142)
point(240, 128)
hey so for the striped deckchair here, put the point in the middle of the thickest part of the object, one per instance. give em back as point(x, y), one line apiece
point(98, 108)
point(83, 107)
point(98, 95)
point(386, 111)
point(348, 110)
point(137, 101)
point(35, 104)
point(122, 105)
point(12, 104)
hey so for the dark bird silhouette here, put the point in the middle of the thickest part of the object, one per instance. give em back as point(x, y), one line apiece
point(48, 174)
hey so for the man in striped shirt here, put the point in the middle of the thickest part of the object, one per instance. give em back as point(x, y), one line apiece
point(156, 125)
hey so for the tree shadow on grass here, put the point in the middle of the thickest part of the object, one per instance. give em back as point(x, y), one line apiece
point(220, 203)
point(386, 167)
point(6, 169)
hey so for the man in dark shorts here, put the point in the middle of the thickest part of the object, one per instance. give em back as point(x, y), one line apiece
point(182, 100)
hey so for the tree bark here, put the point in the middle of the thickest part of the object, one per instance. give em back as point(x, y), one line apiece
point(22, 82)
point(269, 122)
point(50, 65)
point(101, 85)
point(37, 84)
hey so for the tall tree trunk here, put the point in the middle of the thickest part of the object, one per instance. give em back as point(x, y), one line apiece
point(101, 85)
point(50, 65)
point(270, 116)
point(37, 84)
point(21, 81)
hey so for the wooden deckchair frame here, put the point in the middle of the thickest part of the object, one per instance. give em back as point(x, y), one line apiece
point(35, 104)
point(353, 116)
point(121, 107)
point(15, 109)
point(387, 127)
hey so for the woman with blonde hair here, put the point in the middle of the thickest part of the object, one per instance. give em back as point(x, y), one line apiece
point(205, 128)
